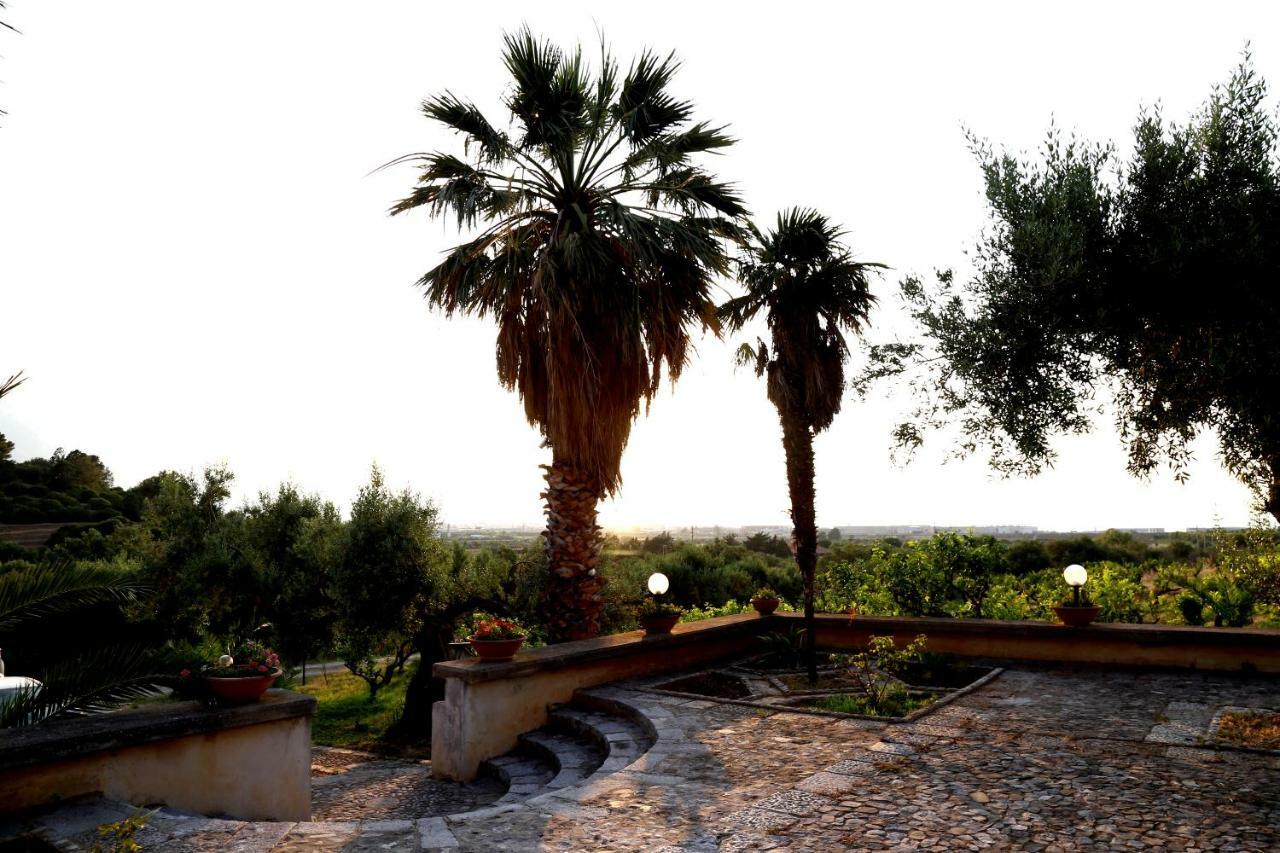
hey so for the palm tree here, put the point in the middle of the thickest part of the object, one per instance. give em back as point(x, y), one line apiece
point(599, 241)
point(811, 291)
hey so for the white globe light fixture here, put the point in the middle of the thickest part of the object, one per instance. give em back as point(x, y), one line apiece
point(1075, 576)
point(658, 583)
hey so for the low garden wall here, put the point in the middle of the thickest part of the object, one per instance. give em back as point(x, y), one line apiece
point(1107, 644)
point(251, 762)
point(488, 705)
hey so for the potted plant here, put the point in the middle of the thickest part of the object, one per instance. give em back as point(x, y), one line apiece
point(765, 601)
point(496, 639)
point(658, 617)
point(1077, 611)
point(242, 677)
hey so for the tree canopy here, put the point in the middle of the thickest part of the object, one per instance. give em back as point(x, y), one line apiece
point(1146, 288)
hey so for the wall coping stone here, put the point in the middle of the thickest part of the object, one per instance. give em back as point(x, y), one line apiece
point(609, 647)
point(613, 646)
point(79, 736)
point(1139, 634)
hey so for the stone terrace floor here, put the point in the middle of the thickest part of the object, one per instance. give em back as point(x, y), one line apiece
point(1038, 759)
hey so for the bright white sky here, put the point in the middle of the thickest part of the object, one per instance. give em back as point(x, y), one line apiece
point(196, 266)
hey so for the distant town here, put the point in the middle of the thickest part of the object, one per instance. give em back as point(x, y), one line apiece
point(850, 531)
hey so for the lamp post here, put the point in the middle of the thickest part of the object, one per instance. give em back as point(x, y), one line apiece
point(1075, 576)
point(656, 617)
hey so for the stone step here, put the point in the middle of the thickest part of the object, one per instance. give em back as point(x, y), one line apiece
point(525, 771)
point(620, 739)
point(576, 745)
point(576, 757)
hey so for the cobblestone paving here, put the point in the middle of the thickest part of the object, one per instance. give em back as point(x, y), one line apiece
point(1039, 759)
point(353, 786)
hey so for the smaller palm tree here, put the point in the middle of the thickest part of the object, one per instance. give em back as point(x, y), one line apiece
point(811, 291)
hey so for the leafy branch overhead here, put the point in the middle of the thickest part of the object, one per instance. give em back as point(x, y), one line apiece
point(1146, 288)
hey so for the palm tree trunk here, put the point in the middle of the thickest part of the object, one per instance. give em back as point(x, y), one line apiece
point(797, 441)
point(573, 553)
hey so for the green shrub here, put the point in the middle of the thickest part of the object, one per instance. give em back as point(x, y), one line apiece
point(1006, 600)
point(1191, 608)
point(1118, 590)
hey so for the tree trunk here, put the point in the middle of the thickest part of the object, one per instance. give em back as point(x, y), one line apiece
point(424, 690)
point(797, 441)
point(432, 645)
point(573, 596)
point(1272, 501)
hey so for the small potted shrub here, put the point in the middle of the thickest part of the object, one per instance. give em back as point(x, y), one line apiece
point(1077, 611)
point(243, 676)
point(497, 639)
point(658, 617)
point(765, 601)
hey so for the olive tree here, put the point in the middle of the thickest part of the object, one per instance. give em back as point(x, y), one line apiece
point(1145, 288)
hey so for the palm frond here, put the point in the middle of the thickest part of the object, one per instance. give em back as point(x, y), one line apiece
point(96, 681)
point(12, 382)
point(645, 109)
point(470, 122)
point(811, 290)
point(59, 588)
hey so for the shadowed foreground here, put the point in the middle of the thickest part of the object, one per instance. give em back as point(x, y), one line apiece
point(1038, 759)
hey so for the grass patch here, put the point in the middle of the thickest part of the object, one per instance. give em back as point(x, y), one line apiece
point(1259, 729)
point(845, 703)
point(346, 718)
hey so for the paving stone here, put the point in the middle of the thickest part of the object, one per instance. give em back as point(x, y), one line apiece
point(1039, 759)
point(434, 834)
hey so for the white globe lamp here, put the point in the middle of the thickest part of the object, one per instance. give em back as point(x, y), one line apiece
point(1075, 576)
point(658, 583)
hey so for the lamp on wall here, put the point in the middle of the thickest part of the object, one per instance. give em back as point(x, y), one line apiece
point(1075, 576)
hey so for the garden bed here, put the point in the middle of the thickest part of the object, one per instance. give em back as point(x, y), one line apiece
point(933, 682)
point(713, 683)
point(775, 663)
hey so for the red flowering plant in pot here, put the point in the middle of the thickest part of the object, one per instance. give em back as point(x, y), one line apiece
point(242, 676)
point(497, 639)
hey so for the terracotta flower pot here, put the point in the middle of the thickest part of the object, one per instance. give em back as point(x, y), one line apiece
point(496, 650)
point(1077, 617)
point(765, 606)
point(659, 624)
point(241, 691)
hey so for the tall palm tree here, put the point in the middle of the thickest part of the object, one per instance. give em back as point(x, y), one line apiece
point(599, 239)
point(811, 291)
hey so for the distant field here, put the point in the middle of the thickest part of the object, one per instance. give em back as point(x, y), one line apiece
point(29, 535)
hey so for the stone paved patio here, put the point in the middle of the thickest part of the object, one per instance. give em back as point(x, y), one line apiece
point(352, 786)
point(1038, 759)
